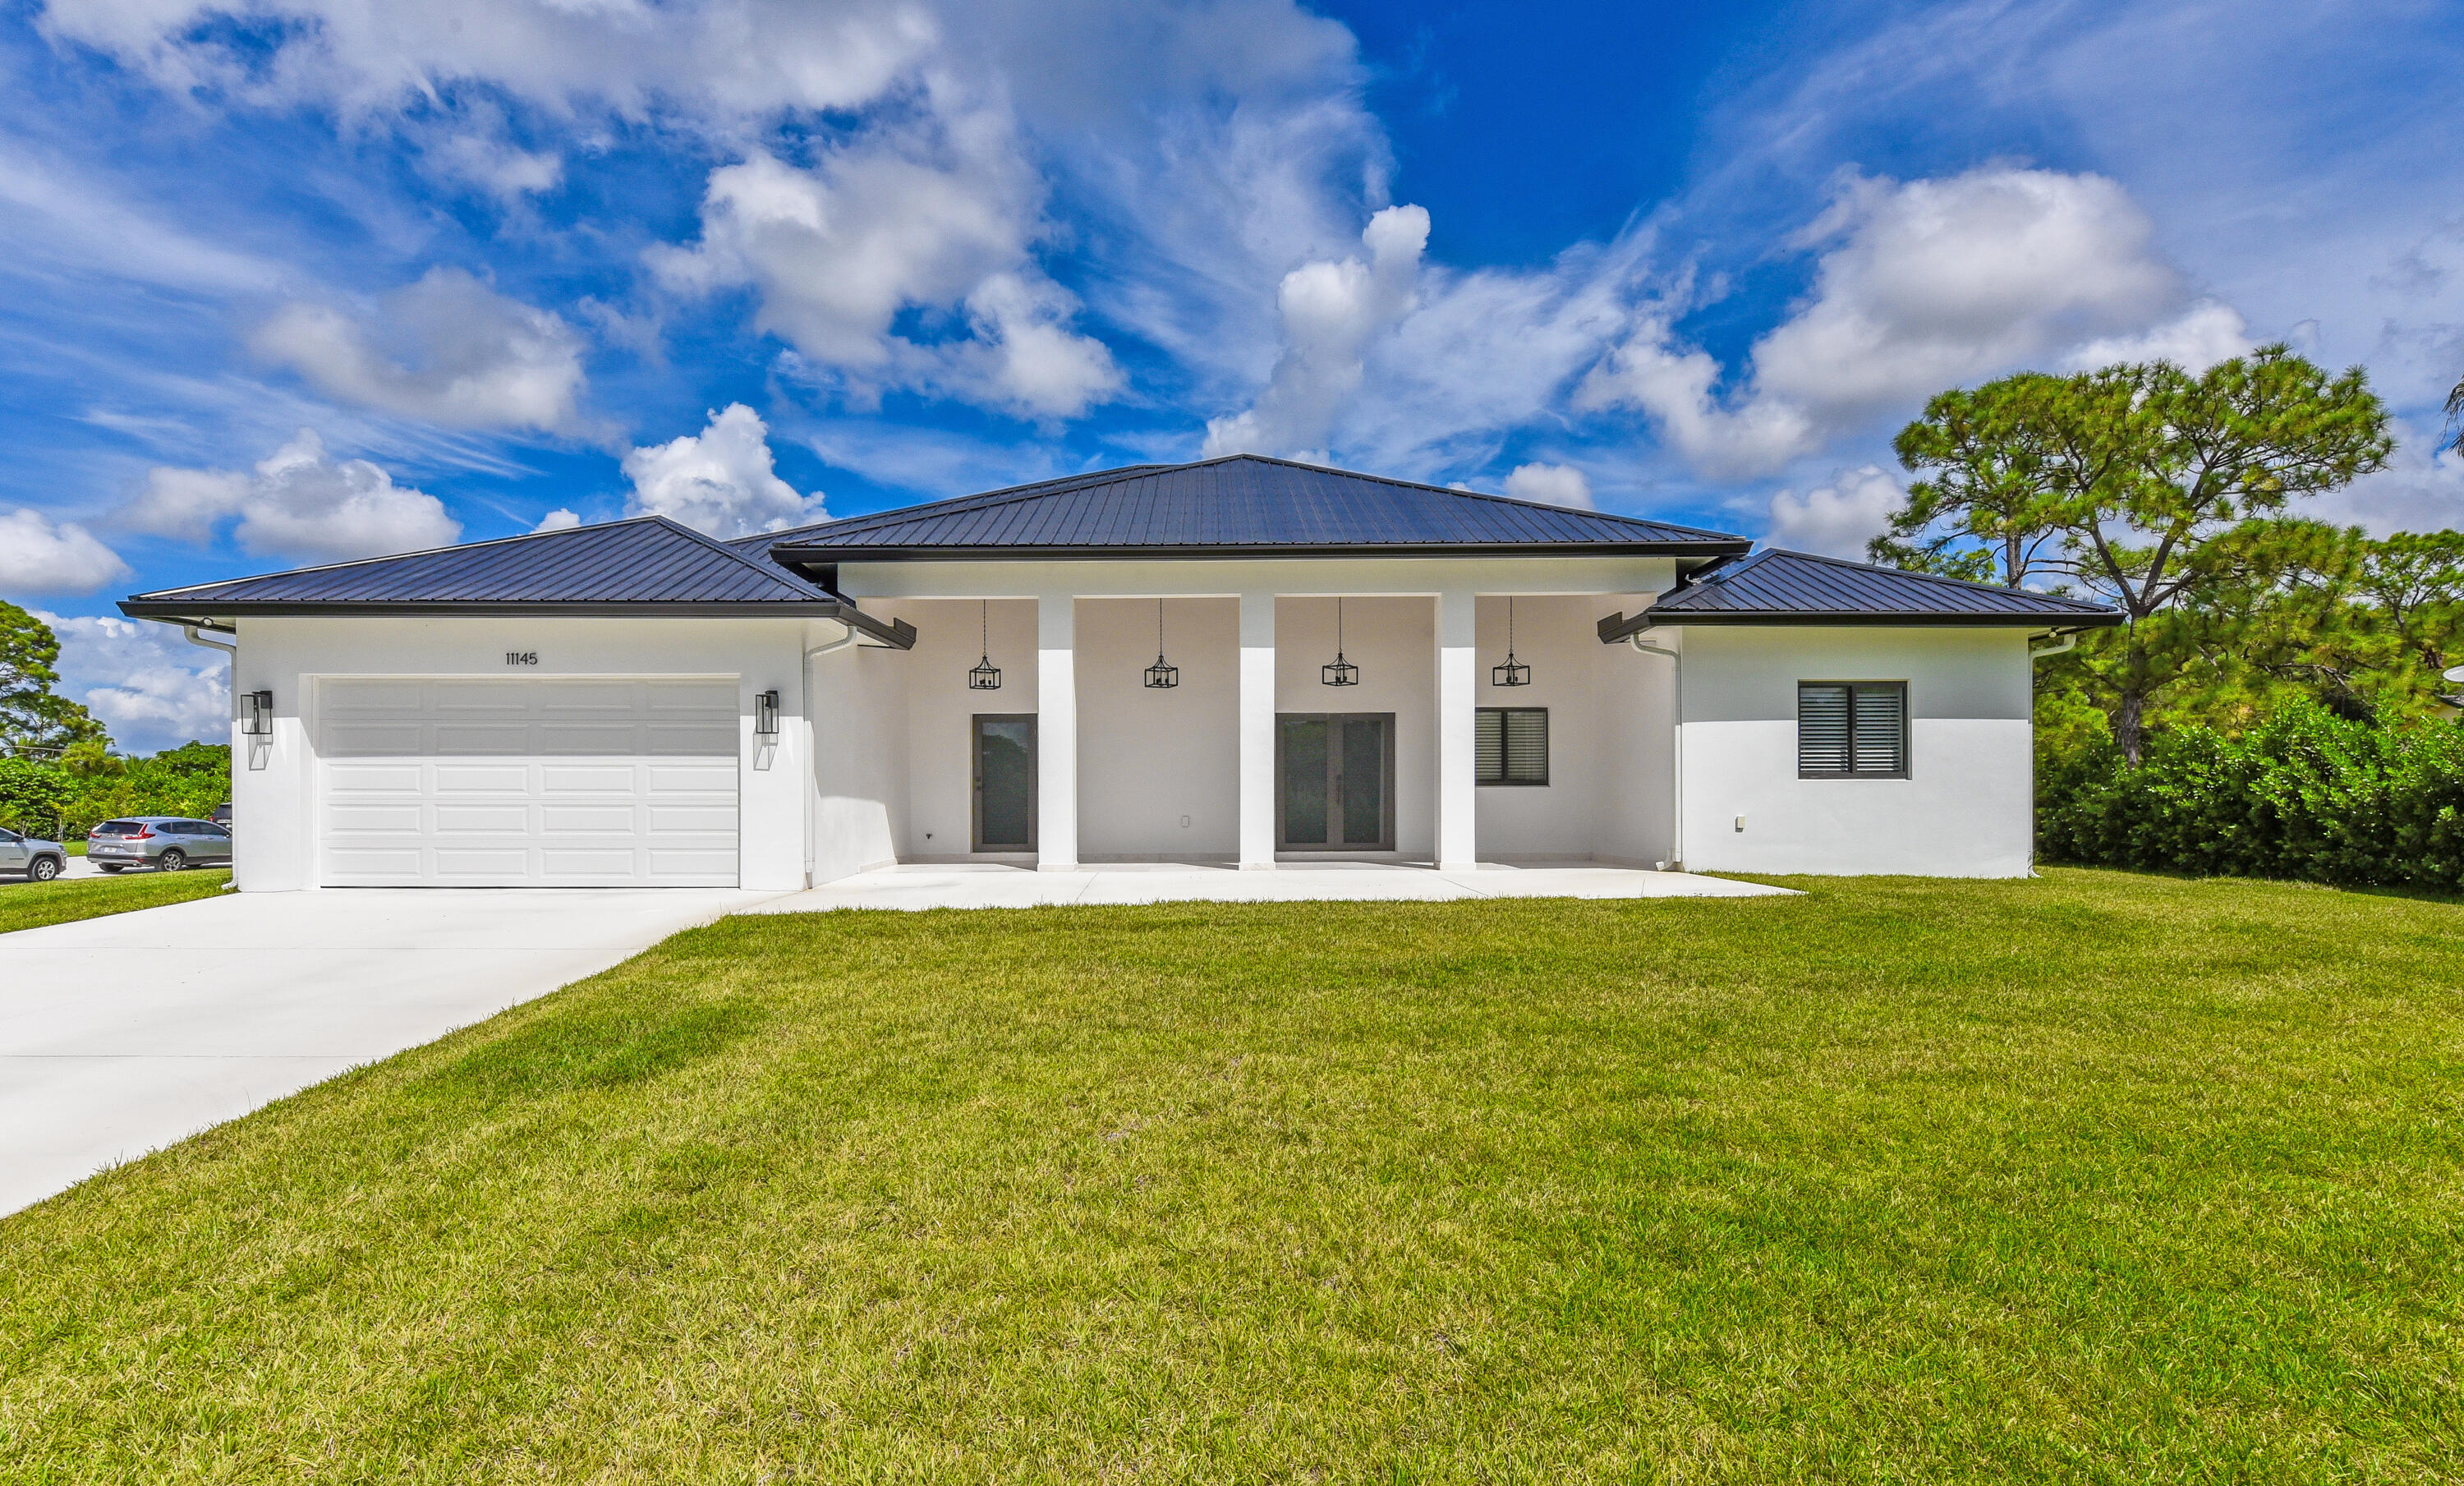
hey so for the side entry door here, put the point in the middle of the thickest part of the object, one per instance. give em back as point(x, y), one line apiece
point(1003, 761)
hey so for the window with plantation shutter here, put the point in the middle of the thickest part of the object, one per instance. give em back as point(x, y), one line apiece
point(1511, 746)
point(1851, 729)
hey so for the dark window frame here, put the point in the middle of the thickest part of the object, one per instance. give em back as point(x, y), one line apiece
point(1852, 687)
point(1385, 841)
point(1505, 775)
point(976, 843)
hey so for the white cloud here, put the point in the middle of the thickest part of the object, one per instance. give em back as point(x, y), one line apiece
point(557, 521)
point(1330, 310)
point(1839, 519)
point(720, 481)
point(2205, 334)
point(1556, 484)
point(938, 218)
point(38, 555)
point(298, 502)
point(447, 348)
point(1921, 286)
point(2422, 489)
point(742, 56)
point(151, 687)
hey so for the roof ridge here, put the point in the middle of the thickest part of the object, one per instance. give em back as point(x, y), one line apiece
point(1915, 573)
point(1477, 495)
point(395, 557)
point(768, 569)
point(974, 502)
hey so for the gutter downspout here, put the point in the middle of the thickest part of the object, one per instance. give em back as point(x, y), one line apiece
point(230, 686)
point(1676, 748)
point(812, 790)
point(2063, 640)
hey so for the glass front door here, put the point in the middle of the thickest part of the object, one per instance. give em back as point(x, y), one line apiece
point(1004, 755)
point(1334, 775)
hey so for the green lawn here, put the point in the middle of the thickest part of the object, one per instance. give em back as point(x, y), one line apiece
point(2094, 1178)
point(27, 905)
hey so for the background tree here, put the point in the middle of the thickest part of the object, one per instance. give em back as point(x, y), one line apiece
point(32, 714)
point(2160, 491)
point(1985, 510)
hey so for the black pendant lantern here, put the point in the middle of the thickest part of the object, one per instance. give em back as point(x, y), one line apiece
point(1161, 677)
point(1509, 674)
point(985, 676)
point(1342, 673)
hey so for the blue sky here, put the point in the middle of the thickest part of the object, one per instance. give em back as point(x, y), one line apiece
point(294, 281)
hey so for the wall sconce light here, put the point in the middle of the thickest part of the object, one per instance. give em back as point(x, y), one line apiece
point(256, 714)
point(765, 715)
point(1340, 671)
point(984, 675)
point(1513, 672)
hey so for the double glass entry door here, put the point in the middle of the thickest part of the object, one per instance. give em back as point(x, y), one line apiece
point(1004, 782)
point(1334, 775)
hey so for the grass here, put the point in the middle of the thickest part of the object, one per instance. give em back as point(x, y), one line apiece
point(28, 905)
point(2094, 1178)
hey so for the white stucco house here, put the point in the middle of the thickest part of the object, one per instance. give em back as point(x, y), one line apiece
point(1238, 660)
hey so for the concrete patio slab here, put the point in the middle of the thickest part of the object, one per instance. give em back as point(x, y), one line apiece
point(125, 1034)
point(985, 886)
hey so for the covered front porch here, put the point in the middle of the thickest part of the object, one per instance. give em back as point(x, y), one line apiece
point(1331, 717)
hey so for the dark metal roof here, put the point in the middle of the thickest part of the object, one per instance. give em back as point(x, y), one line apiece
point(1774, 587)
point(646, 564)
point(1241, 505)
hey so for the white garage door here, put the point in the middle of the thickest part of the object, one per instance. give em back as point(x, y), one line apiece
point(528, 783)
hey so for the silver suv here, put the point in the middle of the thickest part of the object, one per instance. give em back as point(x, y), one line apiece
point(170, 842)
point(38, 860)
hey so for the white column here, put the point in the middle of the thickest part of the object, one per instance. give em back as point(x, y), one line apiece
point(1257, 731)
point(1455, 791)
point(1056, 732)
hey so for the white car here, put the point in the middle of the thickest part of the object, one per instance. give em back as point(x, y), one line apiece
point(37, 861)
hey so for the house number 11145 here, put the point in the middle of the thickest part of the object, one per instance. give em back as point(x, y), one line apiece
point(522, 657)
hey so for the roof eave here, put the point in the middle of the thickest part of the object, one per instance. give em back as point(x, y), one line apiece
point(1651, 619)
point(897, 634)
point(818, 555)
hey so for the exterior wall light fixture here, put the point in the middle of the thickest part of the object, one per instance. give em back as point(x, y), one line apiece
point(984, 676)
point(1342, 672)
point(256, 714)
point(1161, 677)
point(765, 715)
point(1509, 674)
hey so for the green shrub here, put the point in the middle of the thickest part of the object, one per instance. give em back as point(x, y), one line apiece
point(65, 799)
point(2305, 797)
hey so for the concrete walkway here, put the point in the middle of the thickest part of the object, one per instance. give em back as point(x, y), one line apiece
point(974, 886)
point(125, 1034)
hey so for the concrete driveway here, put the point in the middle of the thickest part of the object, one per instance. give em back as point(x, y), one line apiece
point(121, 1034)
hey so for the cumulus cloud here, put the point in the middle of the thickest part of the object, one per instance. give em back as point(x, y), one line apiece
point(559, 520)
point(298, 502)
point(2421, 489)
point(1555, 484)
point(1839, 519)
point(938, 218)
point(1330, 309)
point(151, 687)
point(737, 57)
point(720, 481)
point(39, 555)
point(1920, 286)
point(447, 348)
point(2205, 334)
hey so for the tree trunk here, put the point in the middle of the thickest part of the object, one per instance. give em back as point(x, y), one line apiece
point(2129, 724)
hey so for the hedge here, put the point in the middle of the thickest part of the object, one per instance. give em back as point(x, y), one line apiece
point(2304, 796)
point(48, 800)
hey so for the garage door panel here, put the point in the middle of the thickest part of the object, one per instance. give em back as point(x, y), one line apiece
point(372, 778)
point(539, 782)
point(556, 820)
point(464, 820)
point(343, 819)
point(449, 779)
point(373, 740)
